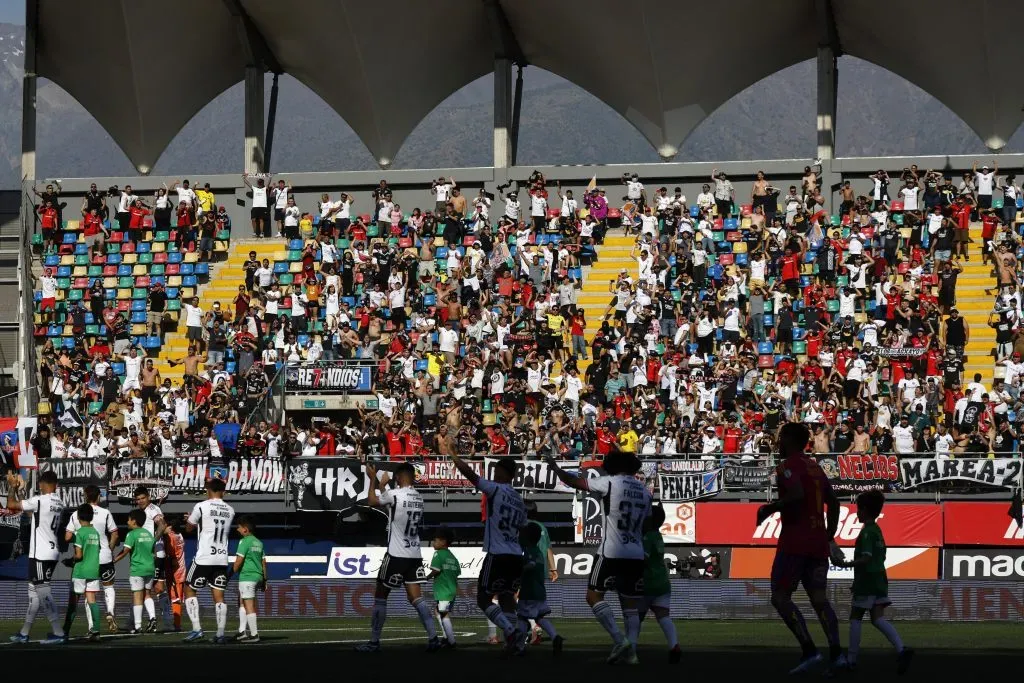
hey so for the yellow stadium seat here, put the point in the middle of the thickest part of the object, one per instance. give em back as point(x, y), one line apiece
point(906, 233)
point(110, 282)
point(73, 225)
point(739, 247)
point(192, 257)
point(159, 247)
point(745, 223)
point(67, 260)
point(188, 292)
point(295, 267)
point(220, 246)
point(130, 259)
point(140, 269)
point(79, 271)
point(125, 293)
point(174, 281)
point(139, 329)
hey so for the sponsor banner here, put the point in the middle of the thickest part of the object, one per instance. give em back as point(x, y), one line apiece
point(331, 484)
point(746, 477)
point(589, 524)
point(983, 524)
point(904, 525)
point(73, 475)
point(900, 564)
point(443, 473)
point(156, 474)
point(680, 466)
point(8, 518)
point(328, 377)
point(999, 472)
point(534, 475)
point(680, 523)
point(855, 473)
point(1003, 564)
point(683, 487)
point(903, 352)
point(570, 561)
point(16, 434)
point(242, 475)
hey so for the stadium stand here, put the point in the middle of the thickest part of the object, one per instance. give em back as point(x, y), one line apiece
point(494, 334)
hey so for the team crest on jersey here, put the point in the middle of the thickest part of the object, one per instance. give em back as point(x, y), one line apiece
point(99, 469)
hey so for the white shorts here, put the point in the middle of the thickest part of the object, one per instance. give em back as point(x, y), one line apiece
point(130, 384)
point(82, 586)
point(139, 583)
point(533, 609)
point(869, 601)
point(663, 601)
point(247, 590)
point(445, 606)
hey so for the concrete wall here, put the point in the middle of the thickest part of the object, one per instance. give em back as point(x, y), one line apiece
point(411, 188)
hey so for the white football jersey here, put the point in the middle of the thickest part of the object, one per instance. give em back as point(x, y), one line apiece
point(506, 515)
point(405, 515)
point(152, 512)
point(103, 522)
point(46, 510)
point(625, 503)
point(213, 519)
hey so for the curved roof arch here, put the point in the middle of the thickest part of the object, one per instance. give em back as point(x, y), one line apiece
point(384, 65)
point(142, 85)
point(971, 81)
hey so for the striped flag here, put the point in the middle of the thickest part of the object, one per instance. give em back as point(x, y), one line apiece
point(592, 185)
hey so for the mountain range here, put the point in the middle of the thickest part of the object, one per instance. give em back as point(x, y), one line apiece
point(879, 114)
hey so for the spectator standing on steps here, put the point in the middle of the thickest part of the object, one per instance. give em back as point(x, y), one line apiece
point(260, 211)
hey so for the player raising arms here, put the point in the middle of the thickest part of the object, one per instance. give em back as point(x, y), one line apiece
point(45, 514)
point(625, 503)
point(805, 542)
point(103, 523)
point(212, 518)
point(403, 562)
point(502, 568)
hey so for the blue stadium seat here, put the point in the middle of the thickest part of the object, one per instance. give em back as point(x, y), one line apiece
point(64, 271)
point(186, 269)
point(175, 257)
point(139, 305)
point(202, 268)
point(51, 261)
point(138, 317)
point(189, 281)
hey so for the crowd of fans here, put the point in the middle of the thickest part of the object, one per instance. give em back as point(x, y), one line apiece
point(738, 315)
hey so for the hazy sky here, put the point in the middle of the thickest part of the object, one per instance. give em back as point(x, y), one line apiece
point(12, 11)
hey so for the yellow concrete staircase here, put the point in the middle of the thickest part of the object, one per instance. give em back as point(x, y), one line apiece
point(975, 305)
point(222, 286)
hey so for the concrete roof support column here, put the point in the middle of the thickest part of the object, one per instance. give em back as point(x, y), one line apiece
point(28, 93)
point(827, 82)
point(253, 162)
point(502, 113)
